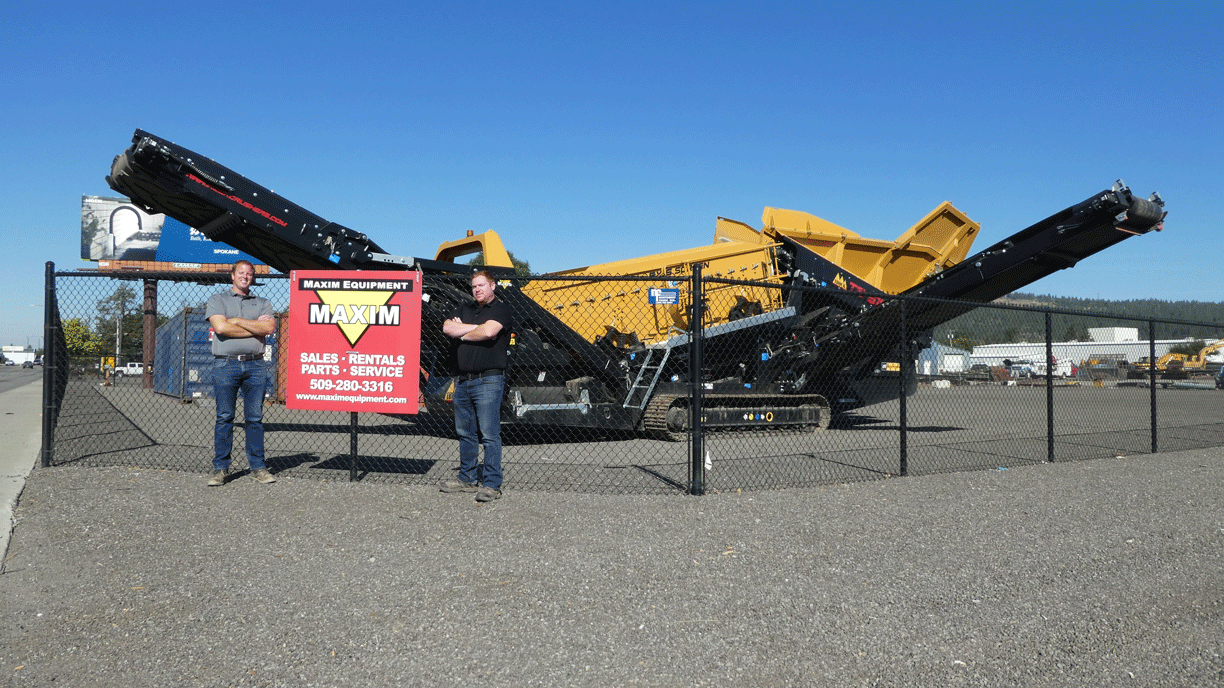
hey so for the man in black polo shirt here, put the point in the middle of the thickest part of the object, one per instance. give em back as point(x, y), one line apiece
point(481, 330)
point(240, 321)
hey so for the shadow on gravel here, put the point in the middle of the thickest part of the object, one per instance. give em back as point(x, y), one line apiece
point(89, 426)
point(852, 421)
point(379, 464)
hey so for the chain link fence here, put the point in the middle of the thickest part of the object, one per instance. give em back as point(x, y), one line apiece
point(611, 389)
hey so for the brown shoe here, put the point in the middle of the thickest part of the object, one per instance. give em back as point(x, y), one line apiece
point(453, 485)
point(487, 494)
point(218, 478)
point(262, 475)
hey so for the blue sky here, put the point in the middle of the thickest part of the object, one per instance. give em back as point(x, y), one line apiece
point(589, 132)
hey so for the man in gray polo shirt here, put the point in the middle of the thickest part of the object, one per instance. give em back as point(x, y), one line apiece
point(240, 322)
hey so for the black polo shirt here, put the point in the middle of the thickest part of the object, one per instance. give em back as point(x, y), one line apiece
point(477, 357)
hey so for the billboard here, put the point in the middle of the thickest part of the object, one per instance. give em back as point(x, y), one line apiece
point(116, 229)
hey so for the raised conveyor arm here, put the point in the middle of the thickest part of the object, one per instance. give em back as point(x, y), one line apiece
point(225, 206)
point(1060, 241)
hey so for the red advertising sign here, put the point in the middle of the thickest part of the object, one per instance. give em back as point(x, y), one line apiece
point(354, 341)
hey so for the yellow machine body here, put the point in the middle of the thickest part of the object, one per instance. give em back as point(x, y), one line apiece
point(938, 241)
point(488, 243)
point(621, 308)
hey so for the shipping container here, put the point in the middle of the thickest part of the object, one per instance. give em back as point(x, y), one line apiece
point(184, 357)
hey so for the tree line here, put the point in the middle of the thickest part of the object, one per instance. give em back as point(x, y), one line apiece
point(118, 314)
point(1005, 326)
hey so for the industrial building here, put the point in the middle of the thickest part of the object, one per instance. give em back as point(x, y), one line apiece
point(1119, 343)
point(1106, 343)
point(18, 354)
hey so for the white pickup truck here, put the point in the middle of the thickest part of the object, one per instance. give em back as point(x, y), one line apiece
point(130, 369)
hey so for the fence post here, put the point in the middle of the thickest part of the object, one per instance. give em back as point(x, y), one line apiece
point(696, 438)
point(1049, 352)
point(905, 365)
point(51, 367)
point(352, 446)
point(149, 329)
point(183, 363)
point(1152, 377)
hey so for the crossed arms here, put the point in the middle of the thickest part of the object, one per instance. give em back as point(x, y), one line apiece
point(465, 332)
point(237, 328)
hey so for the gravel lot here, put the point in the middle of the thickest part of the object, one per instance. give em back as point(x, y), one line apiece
point(1095, 573)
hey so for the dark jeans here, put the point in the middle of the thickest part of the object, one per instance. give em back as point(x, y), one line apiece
point(477, 419)
point(230, 376)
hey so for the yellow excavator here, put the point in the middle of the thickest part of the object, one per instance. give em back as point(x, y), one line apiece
point(1164, 364)
point(1179, 365)
point(1198, 363)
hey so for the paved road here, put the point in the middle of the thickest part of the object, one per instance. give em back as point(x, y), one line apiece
point(1090, 573)
point(14, 376)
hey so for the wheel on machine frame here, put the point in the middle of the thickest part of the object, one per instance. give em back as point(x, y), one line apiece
point(667, 418)
point(822, 424)
point(678, 421)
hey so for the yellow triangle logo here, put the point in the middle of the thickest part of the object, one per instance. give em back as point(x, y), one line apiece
point(354, 311)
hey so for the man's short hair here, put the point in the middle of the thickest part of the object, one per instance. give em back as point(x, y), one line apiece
point(482, 273)
point(234, 267)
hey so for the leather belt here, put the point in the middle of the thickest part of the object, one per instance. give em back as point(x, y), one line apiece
point(476, 376)
point(241, 357)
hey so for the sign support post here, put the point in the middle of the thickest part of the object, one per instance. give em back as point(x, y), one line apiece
point(354, 344)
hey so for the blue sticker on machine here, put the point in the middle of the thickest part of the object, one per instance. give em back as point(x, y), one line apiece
point(663, 297)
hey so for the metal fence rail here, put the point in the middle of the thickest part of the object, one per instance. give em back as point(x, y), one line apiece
point(952, 421)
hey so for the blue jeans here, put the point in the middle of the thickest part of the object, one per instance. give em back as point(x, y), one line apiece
point(478, 418)
point(230, 376)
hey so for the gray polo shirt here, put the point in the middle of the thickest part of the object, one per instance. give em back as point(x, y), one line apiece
point(233, 305)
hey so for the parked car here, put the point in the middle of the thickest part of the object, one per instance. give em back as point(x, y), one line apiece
point(130, 369)
point(28, 364)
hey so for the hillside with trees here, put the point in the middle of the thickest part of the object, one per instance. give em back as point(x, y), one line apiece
point(1021, 321)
